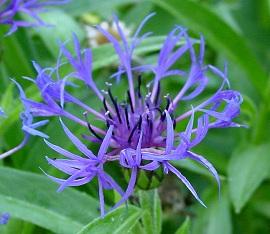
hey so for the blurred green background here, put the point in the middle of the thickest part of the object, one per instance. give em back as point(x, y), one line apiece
point(236, 31)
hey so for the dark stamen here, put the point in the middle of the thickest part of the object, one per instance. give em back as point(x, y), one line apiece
point(147, 104)
point(157, 95)
point(90, 128)
point(162, 117)
point(105, 104)
point(168, 102)
point(174, 123)
point(126, 115)
point(150, 124)
point(130, 101)
point(106, 107)
point(173, 120)
point(138, 124)
point(114, 101)
point(139, 85)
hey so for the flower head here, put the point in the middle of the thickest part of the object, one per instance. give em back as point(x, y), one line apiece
point(4, 218)
point(10, 9)
point(141, 130)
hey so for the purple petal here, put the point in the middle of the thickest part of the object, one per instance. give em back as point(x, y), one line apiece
point(34, 132)
point(121, 33)
point(130, 188)
point(105, 143)
point(79, 145)
point(170, 133)
point(151, 166)
point(71, 180)
point(185, 181)
point(205, 163)
point(114, 185)
point(64, 152)
point(138, 150)
point(101, 197)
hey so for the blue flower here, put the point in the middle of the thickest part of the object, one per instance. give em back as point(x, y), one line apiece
point(141, 130)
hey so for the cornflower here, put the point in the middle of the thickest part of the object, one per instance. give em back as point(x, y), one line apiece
point(142, 131)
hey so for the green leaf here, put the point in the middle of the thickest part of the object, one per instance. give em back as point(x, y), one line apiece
point(119, 221)
point(104, 8)
point(14, 108)
point(248, 167)
point(150, 202)
point(33, 198)
point(219, 34)
point(7, 98)
point(262, 207)
point(137, 13)
point(63, 25)
point(14, 57)
point(216, 218)
point(13, 226)
point(184, 228)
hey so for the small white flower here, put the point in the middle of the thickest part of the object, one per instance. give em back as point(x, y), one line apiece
point(95, 38)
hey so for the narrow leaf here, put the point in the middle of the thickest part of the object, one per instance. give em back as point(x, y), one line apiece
point(63, 25)
point(33, 198)
point(217, 217)
point(119, 221)
point(247, 169)
point(150, 202)
point(184, 228)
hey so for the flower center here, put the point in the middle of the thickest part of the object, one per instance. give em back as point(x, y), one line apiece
point(130, 119)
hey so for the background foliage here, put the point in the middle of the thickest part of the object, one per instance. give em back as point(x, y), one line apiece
point(237, 31)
